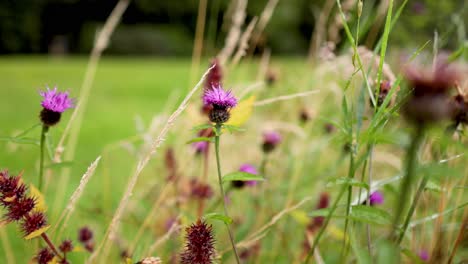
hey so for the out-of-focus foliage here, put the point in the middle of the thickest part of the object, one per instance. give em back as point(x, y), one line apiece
point(168, 27)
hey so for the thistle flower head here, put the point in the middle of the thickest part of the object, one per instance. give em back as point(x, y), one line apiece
point(33, 222)
point(219, 98)
point(11, 188)
point(429, 102)
point(199, 247)
point(248, 168)
point(20, 208)
point(270, 140)
point(424, 255)
point(44, 256)
point(66, 246)
point(56, 101)
point(200, 147)
point(376, 198)
point(200, 190)
point(85, 234)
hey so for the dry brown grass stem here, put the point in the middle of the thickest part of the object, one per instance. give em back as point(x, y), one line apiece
point(244, 42)
point(199, 34)
point(250, 88)
point(114, 225)
point(174, 228)
point(232, 38)
point(78, 113)
point(150, 216)
point(257, 235)
point(6, 246)
point(377, 25)
point(100, 45)
point(263, 67)
point(284, 98)
point(264, 19)
point(66, 214)
point(318, 35)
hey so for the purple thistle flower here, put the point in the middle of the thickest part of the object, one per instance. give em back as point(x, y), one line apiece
point(200, 147)
point(376, 198)
point(424, 255)
point(56, 101)
point(219, 98)
point(248, 168)
point(270, 140)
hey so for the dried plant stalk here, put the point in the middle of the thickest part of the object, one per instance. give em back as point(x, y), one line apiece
point(66, 214)
point(114, 225)
point(234, 34)
point(264, 19)
point(244, 42)
point(284, 97)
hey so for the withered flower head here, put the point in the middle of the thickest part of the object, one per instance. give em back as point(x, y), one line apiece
point(44, 256)
point(20, 208)
point(429, 101)
point(85, 234)
point(66, 246)
point(11, 188)
point(200, 190)
point(199, 247)
point(33, 222)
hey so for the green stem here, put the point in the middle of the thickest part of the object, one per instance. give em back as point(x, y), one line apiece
point(218, 163)
point(263, 165)
point(411, 156)
point(421, 187)
point(44, 130)
point(325, 224)
point(348, 202)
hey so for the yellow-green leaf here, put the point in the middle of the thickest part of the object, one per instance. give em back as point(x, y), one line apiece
point(242, 112)
point(300, 216)
point(37, 232)
point(39, 197)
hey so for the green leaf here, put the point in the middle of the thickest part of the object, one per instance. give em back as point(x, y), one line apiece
point(200, 139)
point(320, 212)
point(412, 256)
point(346, 181)
point(432, 186)
point(242, 176)
point(201, 127)
point(387, 253)
point(232, 128)
point(369, 214)
point(220, 217)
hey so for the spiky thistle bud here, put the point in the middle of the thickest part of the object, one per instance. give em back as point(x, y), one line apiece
point(33, 222)
point(199, 247)
point(44, 256)
point(66, 246)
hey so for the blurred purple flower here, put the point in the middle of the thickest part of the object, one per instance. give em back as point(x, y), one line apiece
point(56, 101)
point(270, 140)
point(248, 168)
point(424, 255)
point(200, 147)
point(376, 198)
point(219, 98)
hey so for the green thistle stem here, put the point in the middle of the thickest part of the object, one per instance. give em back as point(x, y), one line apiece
point(421, 187)
point(411, 156)
point(44, 130)
point(218, 163)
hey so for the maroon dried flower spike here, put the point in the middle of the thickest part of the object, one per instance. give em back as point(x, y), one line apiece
point(199, 247)
point(44, 256)
point(214, 76)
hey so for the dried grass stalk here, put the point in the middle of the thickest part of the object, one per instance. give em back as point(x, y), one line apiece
point(234, 34)
point(114, 225)
point(244, 42)
point(284, 97)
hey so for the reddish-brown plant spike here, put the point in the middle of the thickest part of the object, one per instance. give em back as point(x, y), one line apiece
point(200, 190)
point(215, 76)
point(66, 246)
point(199, 248)
point(171, 164)
point(19, 208)
point(85, 234)
point(44, 256)
point(10, 188)
point(33, 222)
